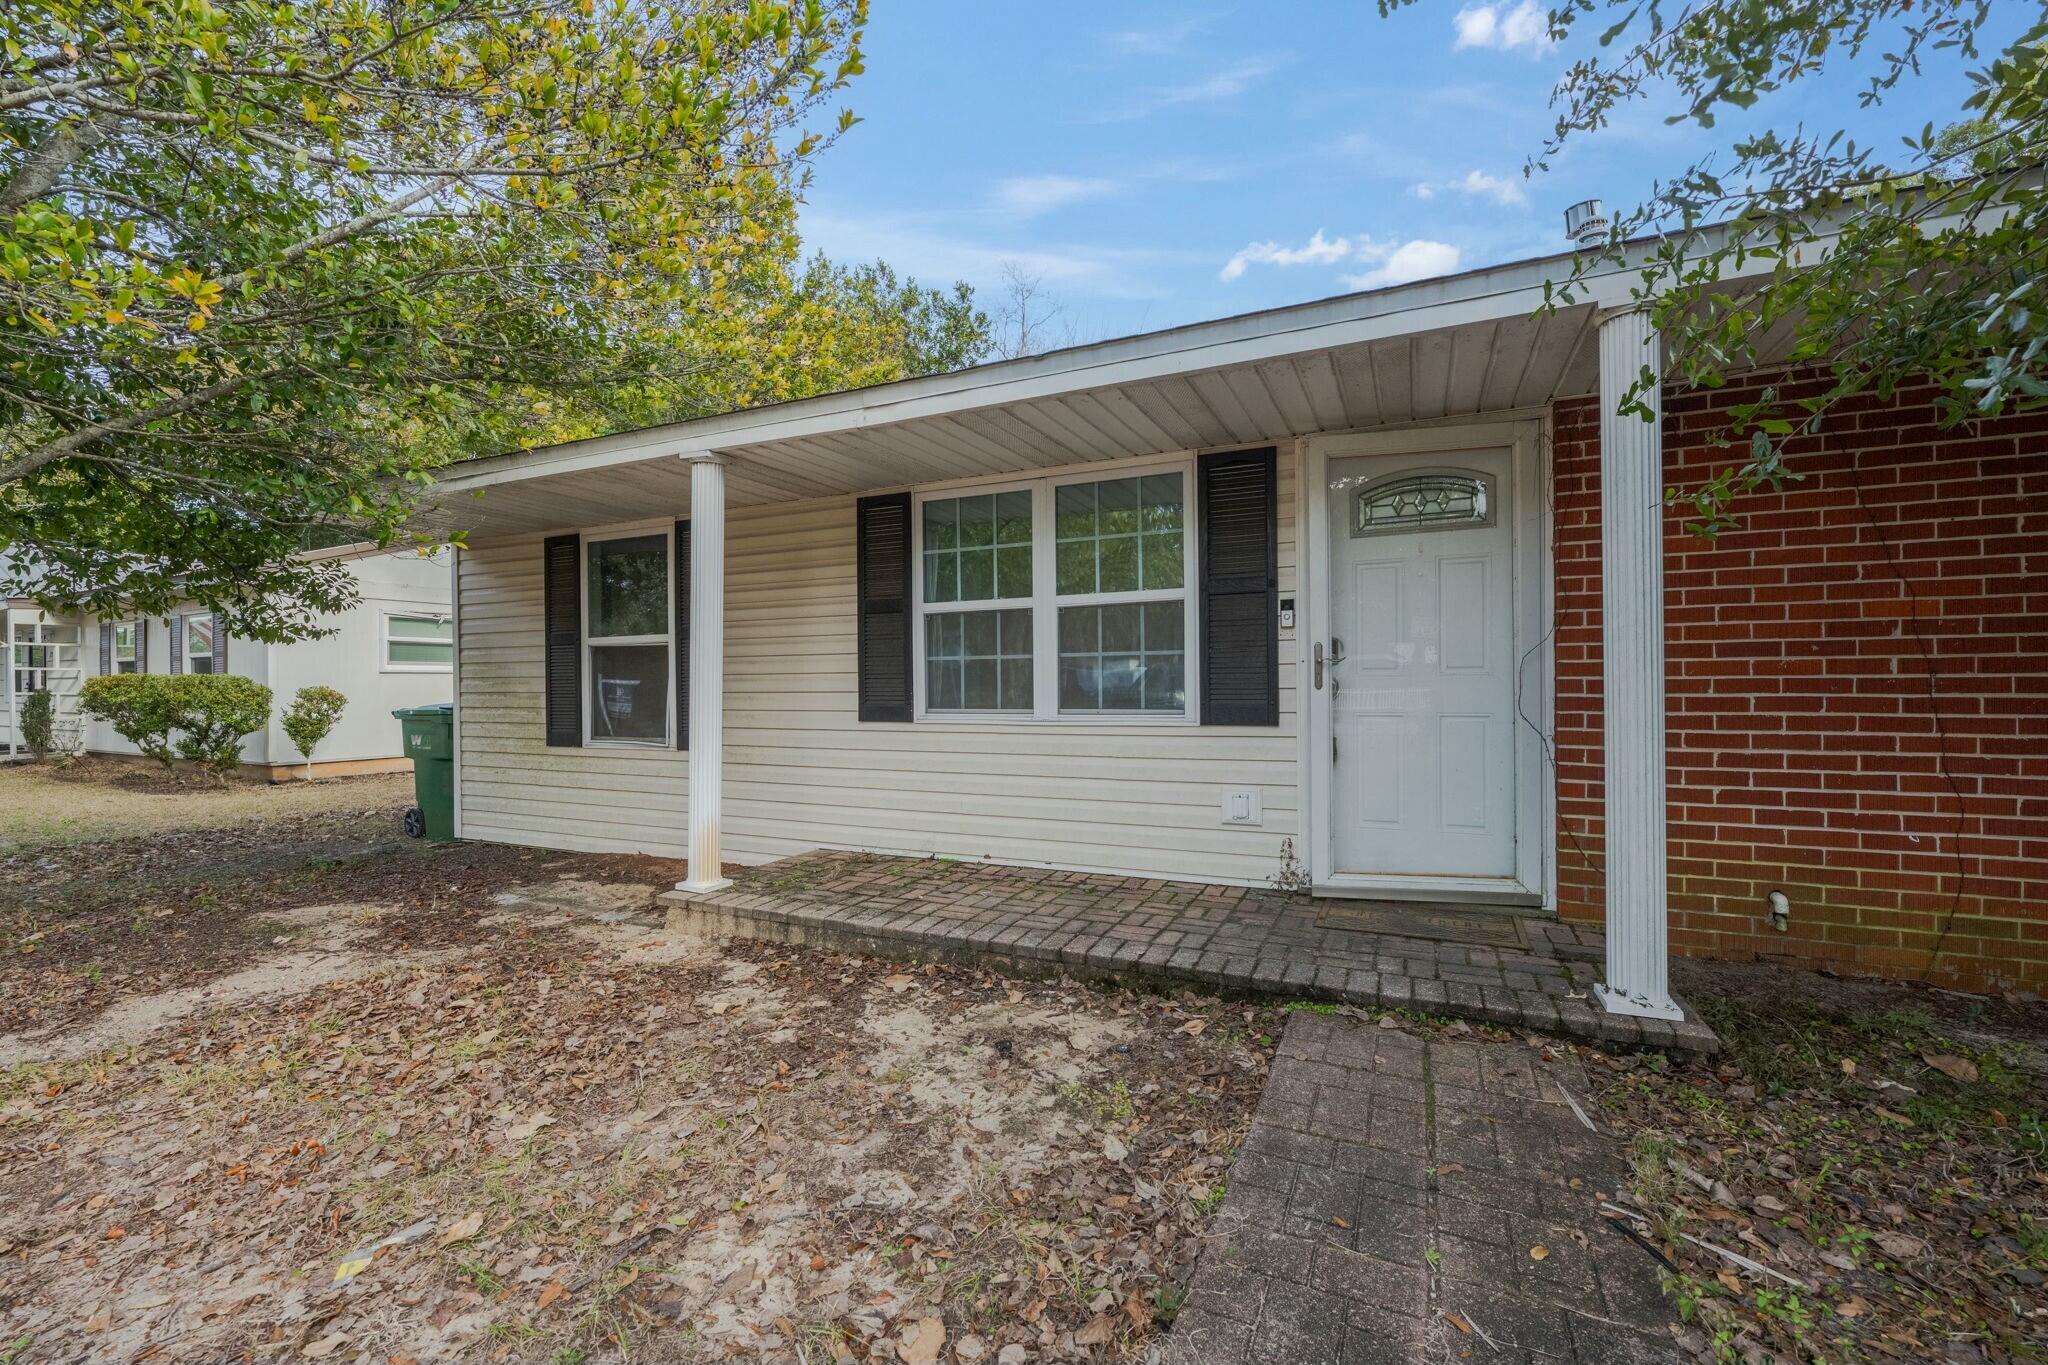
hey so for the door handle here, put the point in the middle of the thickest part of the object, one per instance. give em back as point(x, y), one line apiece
point(1336, 657)
point(1336, 685)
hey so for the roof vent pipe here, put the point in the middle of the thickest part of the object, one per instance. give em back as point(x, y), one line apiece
point(1586, 224)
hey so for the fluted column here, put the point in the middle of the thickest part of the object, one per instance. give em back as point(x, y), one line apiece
point(1632, 653)
point(707, 671)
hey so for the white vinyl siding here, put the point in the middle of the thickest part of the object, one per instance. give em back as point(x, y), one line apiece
point(515, 789)
point(802, 772)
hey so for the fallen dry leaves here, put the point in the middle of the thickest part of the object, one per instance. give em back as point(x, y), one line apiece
point(84, 926)
point(1864, 1176)
point(538, 1147)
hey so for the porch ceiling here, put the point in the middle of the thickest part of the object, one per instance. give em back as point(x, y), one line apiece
point(1464, 344)
point(1487, 366)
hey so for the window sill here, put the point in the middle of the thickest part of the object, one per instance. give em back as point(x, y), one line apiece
point(648, 747)
point(1081, 721)
point(417, 668)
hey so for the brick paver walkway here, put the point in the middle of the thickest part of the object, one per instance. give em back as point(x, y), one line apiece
point(1241, 939)
point(1384, 1209)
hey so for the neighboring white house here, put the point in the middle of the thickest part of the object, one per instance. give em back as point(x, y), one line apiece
point(392, 649)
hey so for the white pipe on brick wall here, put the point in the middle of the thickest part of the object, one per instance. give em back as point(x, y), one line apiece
point(1632, 652)
point(706, 666)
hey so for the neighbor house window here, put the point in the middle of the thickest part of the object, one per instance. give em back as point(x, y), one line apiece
point(199, 644)
point(627, 637)
point(39, 649)
point(1064, 597)
point(422, 643)
point(126, 655)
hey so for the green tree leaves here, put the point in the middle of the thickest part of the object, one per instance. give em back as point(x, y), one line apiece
point(262, 264)
point(1882, 270)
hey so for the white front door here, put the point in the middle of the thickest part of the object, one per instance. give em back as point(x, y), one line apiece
point(1421, 665)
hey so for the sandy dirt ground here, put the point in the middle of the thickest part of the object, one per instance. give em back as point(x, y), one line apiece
point(306, 1093)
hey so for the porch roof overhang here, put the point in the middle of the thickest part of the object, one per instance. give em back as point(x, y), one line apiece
point(1475, 342)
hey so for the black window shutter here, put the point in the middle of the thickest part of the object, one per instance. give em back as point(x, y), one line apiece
point(142, 644)
point(177, 625)
point(1240, 583)
point(883, 568)
point(220, 647)
point(106, 647)
point(683, 635)
point(562, 625)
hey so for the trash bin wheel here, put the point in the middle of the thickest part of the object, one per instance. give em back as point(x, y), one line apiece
point(415, 823)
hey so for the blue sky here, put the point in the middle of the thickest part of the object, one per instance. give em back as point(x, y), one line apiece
point(1162, 164)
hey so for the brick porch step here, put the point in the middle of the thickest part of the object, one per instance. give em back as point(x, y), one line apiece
point(1139, 931)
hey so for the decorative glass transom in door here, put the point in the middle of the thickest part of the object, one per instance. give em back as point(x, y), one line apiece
point(1421, 667)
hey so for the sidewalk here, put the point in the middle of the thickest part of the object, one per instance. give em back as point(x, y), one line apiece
point(1390, 1205)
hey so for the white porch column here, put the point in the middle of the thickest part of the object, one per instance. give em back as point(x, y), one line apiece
point(1632, 645)
point(707, 670)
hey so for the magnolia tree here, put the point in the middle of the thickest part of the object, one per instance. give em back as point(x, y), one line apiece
point(1885, 264)
point(261, 263)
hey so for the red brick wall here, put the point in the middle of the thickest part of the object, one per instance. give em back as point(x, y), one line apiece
point(1806, 752)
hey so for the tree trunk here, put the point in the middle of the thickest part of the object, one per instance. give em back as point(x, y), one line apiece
point(66, 143)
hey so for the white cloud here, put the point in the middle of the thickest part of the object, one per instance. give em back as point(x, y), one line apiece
point(1226, 83)
point(1390, 262)
point(1027, 196)
point(1162, 41)
point(1319, 250)
point(1479, 185)
point(1527, 25)
point(1419, 259)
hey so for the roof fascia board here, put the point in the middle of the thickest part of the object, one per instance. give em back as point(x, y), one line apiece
point(1425, 306)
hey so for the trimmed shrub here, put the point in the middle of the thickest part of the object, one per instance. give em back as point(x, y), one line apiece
point(212, 712)
point(39, 724)
point(310, 717)
point(139, 707)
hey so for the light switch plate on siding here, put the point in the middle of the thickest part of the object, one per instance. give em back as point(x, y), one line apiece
point(1241, 806)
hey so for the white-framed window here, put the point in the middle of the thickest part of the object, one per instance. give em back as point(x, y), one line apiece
point(628, 637)
point(1065, 597)
point(977, 585)
point(1122, 568)
point(127, 649)
point(419, 642)
point(40, 649)
point(199, 644)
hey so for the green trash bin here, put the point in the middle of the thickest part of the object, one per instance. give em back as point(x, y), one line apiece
point(430, 744)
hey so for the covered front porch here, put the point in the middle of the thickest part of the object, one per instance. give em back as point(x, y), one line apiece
point(782, 751)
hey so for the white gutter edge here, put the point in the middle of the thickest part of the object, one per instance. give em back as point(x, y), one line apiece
point(1480, 296)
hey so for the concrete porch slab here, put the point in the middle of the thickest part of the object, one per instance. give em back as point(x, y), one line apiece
point(1237, 940)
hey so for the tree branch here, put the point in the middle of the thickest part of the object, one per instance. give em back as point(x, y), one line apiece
point(54, 90)
point(22, 466)
point(40, 169)
point(341, 232)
